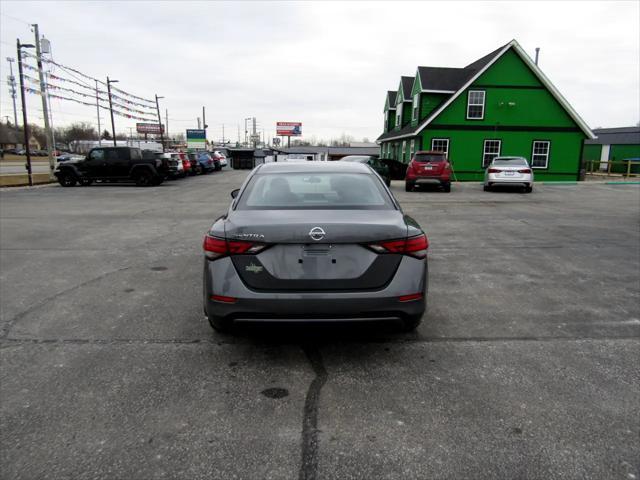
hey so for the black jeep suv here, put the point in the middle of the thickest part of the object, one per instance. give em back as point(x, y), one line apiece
point(113, 164)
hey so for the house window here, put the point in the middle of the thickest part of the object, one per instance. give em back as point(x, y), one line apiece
point(440, 145)
point(490, 151)
point(475, 105)
point(540, 154)
point(386, 120)
point(416, 99)
point(399, 116)
point(404, 150)
point(413, 149)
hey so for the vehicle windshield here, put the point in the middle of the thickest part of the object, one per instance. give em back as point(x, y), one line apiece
point(429, 157)
point(513, 161)
point(315, 191)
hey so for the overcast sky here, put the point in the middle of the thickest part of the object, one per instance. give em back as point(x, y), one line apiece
point(326, 64)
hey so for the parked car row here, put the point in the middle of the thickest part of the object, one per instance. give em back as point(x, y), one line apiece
point(129, 164)
point(433, 167)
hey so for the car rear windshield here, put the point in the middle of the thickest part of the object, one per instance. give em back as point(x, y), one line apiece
point(505, 162)
point(429, 157)
point(315, 191)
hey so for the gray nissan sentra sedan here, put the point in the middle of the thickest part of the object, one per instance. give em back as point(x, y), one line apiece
point(314, 241)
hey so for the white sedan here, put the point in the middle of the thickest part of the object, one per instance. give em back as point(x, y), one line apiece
point(509, 171)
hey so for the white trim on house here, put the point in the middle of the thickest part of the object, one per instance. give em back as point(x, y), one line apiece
point(541, 76)
point(437, 91)
point(546, 155)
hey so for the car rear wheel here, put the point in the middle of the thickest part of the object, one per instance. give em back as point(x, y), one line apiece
point(67, 179)
point(446, 187)
point(387, 181)
point(144, 178)
point(486, 188)
point(408, 186)
point(220, 324)
point(528, 189)
point(410, 323)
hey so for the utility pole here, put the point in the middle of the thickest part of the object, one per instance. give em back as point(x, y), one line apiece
point(223, 134)
point(24, 109)
point(98, 112)
point(166, 123)
point(198, 123)
point(45, 109)
point(160, 122)
point(253, 136)
point(12, 82)
point(204, 127)
point(113, 125)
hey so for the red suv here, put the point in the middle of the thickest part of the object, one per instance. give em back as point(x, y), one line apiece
point(428, 167)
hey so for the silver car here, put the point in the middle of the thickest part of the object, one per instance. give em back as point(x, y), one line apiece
point(314, 241)
point(509, 171)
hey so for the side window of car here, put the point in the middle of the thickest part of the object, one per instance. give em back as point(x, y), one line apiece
point(135, 154)
point(97, 155)
point(111, 155)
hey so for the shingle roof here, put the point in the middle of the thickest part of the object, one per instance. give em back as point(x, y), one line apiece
point(407, 85)
point(616, 136)
point(443, 78)
point(391, 95)
point(481, 62)
point(395, 133)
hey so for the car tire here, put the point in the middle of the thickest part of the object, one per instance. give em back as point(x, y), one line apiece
point(220, 324)
point(408, 186)
point(410, 323)
point(144, 178)
point(446, 187)
point(67, 179)
point(85, 182)
point(387, 181)
point(528, 189)
point(486, 188)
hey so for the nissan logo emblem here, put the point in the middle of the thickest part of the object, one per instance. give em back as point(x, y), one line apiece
point(316, 233)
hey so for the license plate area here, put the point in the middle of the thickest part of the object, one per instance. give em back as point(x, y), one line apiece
point(509, 174)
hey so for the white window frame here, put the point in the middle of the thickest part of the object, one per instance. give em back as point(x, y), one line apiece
point(398, 116)
point(485, 153)
point(414, 106)
point(404, 150)
point(545, 155)
point(446, 150)
point(412, 149)
point(476, 104)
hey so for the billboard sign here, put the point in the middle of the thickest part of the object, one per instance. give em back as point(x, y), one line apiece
point(197, 139)
point(153, 128)
point(289, 129)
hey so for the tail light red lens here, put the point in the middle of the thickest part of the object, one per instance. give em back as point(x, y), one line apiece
point(223, 299)
point(525, 170)
point(215, 247)
point(410, 298)
point(494, 170)
point(414, 246)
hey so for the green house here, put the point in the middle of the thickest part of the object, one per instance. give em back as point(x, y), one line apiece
point(613, 145)
point(501, 104)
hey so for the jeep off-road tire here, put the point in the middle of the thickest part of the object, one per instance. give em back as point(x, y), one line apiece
point(67, 179)
point(143, 178)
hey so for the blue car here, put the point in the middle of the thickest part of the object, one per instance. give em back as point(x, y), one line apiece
point(201, 162)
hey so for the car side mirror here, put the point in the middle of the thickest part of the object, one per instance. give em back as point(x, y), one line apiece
point(234, 193)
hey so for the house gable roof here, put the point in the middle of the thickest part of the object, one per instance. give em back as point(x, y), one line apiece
point(442, 79)
point(406, 83)
point(390, 101)
point(476, 69)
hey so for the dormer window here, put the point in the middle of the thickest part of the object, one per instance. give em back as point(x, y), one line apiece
point(386, 120)
point(399, 115)
point(414, 106)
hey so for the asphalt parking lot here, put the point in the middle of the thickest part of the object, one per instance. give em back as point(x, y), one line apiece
point(526, 364)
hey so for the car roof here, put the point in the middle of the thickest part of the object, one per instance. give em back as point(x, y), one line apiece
point(430, 152)
point(509, 157)
point(304, 167)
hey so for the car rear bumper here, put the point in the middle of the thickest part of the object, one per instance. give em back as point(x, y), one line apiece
point(221, 279)
point(497, 179)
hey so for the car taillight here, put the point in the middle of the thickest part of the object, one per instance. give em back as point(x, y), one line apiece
point(525, 170)
point(215, 247)
point(494, 170)
point(414, 246)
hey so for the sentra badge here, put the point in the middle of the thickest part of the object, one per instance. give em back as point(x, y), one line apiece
point(254, 268)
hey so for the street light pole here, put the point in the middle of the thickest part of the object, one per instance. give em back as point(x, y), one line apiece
point(113, 125)
point(98, 112)
point(24, 109)
point(160, 122)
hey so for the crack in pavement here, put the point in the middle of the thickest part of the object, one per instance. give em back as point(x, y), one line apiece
point(309, 463)
point(10, 324)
